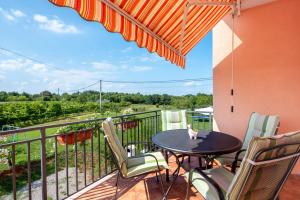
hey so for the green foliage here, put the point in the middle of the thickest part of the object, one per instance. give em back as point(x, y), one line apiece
point(23, 109)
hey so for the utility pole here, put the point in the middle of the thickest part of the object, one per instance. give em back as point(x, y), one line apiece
point(100, 95)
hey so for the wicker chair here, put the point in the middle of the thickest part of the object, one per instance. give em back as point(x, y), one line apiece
point(266, 166)
point(259, 125)
point(129, 167)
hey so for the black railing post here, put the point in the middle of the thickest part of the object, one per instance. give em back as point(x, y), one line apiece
point(43, 163)
point(99, 153)
point(122, 130)
point(13, 149)
point(92, 155)
point(210, 121)
point(156, 122)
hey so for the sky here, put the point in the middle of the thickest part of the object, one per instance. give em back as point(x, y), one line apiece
point(75, 53)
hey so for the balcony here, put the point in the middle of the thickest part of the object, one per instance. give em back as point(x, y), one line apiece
point(78, 165)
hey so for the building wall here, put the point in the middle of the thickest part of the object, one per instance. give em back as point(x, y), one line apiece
point(266, 72)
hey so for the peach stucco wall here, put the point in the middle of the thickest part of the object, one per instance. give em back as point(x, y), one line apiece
point(266, 67)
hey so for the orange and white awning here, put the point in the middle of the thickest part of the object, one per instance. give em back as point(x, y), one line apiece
point(171, 28)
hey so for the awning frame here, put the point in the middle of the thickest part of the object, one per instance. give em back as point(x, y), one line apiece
point(235, 9)
point(235, 6)
point(142, 26)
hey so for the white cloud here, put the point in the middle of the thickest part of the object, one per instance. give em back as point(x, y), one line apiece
point(14, 64)
point(54, 25)
point(12, 14)
point(149, 58)
point(17, 13)
point(2, 77)
point(192, 83)
point(7, 15)
point(146, 58)
point(23, 84)
point(104, 66)
point(22, 64)
point(5, 53)
point(140, 68)
point(124, 66)
point(37, 67)
point(126, 50)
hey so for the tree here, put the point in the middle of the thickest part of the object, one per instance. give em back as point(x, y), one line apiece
point(46, 95)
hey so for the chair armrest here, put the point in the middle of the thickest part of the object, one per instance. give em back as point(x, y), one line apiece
point(141, 156)
point(236, 159)
point(210, 180)
point(238, 154)
point(150, 146)
point(136, 143)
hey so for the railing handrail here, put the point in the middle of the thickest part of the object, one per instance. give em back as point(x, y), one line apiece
point(195, 111)
point(90, 156)
point(22, 130)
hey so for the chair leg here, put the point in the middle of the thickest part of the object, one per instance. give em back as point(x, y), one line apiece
point(167, 160)
point(161, 183)
point(200, 162)
point(117, 182)
point(187, 196)
point(157, 180)
point(233, 166)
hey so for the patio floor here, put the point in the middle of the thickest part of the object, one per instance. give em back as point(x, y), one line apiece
point(147, 188)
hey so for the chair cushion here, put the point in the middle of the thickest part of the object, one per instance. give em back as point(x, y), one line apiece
point(221, 176)
point(146, 164)
point(263, 180)
point(173, 120)
point(114, 143)
point(261, 126)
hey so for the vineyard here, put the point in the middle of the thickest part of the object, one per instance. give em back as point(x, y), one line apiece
point(22, 114)
point(23, 109)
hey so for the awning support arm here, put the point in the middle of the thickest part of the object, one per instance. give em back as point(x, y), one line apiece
point(236, 6)
point(136, 22)
point(210, 3)
point(186, 10)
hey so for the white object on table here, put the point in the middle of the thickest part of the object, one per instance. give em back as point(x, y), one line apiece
point(193, 134)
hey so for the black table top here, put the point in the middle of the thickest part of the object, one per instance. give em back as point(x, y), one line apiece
point(207, 143)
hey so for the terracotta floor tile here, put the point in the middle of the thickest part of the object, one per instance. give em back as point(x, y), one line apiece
point(146, 188)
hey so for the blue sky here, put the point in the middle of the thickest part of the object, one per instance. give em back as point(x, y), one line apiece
point(77, 53)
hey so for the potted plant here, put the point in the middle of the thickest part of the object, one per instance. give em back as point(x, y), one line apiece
point(69, 133)
point(5, 153)
point(129, 121)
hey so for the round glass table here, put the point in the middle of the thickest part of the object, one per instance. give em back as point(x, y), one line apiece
point(208, 144)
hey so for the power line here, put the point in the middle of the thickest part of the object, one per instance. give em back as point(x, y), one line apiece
point(174, 86)
point(143, 82)
point(103, 81)
point(30, 58)
point(83, 88)
point(167, 81)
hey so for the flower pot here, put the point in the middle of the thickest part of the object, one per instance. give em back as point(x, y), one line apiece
point(70, 138)
point(129, 125)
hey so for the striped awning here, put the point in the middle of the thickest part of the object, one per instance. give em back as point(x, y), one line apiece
point(171, 28)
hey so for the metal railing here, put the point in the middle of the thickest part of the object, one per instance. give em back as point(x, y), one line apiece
point(44, 164)
point(62, 164)
point(200, 120)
